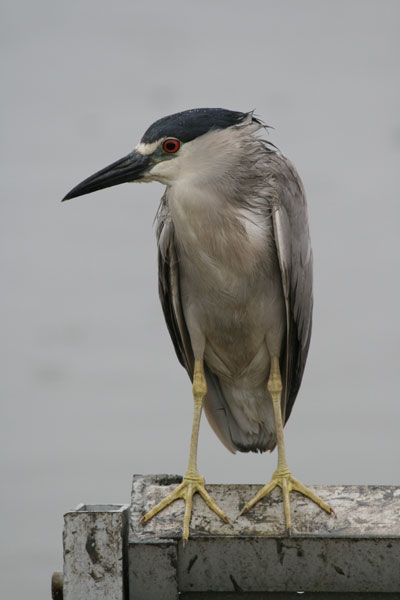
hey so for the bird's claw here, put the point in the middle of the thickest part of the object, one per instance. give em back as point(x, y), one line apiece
point(185, 491)
point(287, 483)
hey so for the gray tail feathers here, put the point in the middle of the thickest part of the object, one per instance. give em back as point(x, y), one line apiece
point(226, 427)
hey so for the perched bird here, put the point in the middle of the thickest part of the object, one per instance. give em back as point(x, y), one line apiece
point(235, 280)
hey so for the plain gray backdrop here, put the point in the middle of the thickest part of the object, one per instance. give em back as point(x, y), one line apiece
point(91, 391)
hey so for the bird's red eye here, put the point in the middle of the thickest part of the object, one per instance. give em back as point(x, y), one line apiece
point(171, 145)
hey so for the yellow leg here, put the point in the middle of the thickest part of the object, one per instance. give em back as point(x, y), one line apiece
point(282, 477)
point(192, 481)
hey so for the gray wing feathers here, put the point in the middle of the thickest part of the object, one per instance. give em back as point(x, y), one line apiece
point(169, 289)
point(293, 246)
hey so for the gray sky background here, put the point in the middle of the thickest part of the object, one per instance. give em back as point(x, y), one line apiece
point(91, 391)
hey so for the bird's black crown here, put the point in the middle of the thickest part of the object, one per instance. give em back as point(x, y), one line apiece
point(190, 124)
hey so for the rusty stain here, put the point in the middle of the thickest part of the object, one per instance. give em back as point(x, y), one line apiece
point(90, 546)
point(323, 557)
point(94, 576)
point(191, 562)
point(57, 586)
point(338, 570)
point(235, 584)
point(280, 550)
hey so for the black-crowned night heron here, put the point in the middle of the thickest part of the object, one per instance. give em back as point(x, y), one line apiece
point(235, 281)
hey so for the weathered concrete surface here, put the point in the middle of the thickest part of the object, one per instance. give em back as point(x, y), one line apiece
point(95, 551)
point(358, 551)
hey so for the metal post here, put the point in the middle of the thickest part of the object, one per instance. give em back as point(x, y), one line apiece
point(95, 550)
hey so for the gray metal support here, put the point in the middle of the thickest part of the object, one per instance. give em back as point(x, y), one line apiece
point(110, 555)
point(95, 552)
point(152, 569)
point(358, 551)
point(152, 561)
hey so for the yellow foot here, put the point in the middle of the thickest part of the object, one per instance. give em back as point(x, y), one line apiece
point(185, 491)
point(287, 483)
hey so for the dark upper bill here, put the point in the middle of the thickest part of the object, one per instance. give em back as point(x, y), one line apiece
point(129, 168)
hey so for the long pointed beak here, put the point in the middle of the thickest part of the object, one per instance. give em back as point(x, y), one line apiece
point(129, 168)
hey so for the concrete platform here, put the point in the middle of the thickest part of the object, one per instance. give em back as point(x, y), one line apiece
point(358, 552)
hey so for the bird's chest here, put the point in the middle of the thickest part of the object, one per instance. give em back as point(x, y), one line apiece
point(229, 279)
point(221, 246)
point(227, 263)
